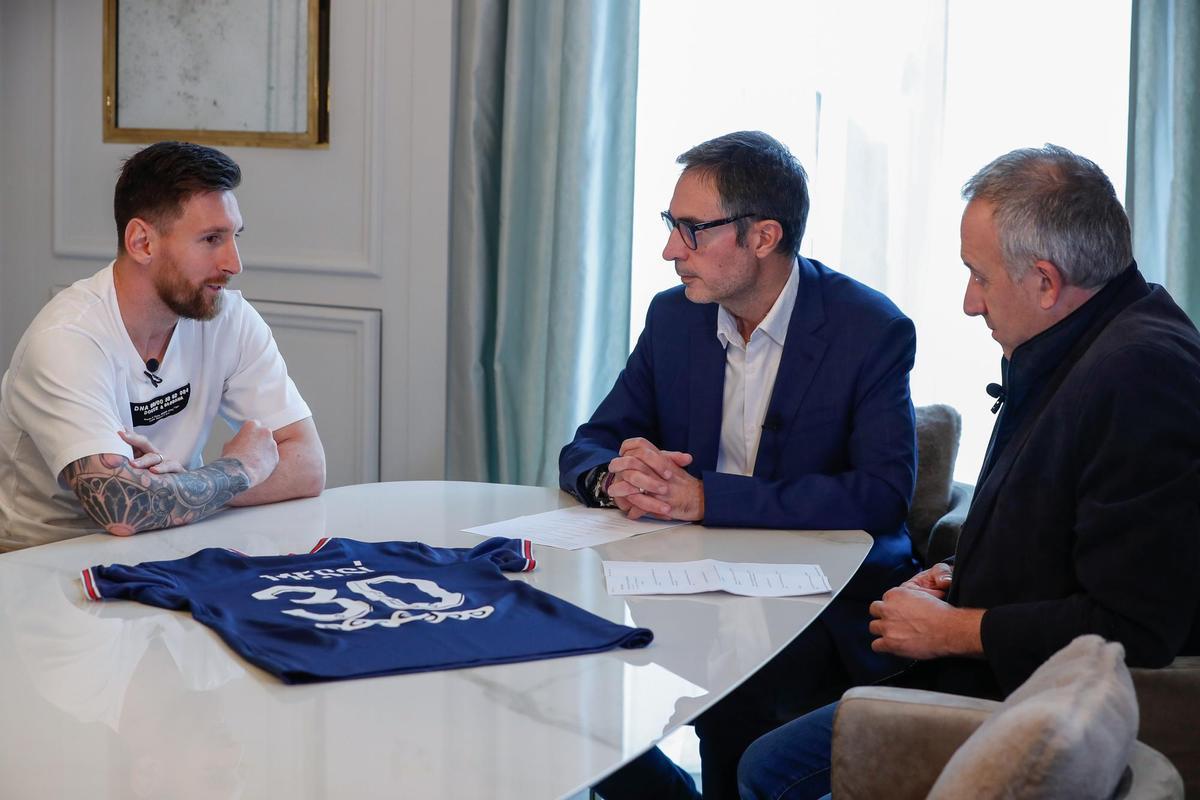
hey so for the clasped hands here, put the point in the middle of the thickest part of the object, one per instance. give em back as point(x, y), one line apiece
point(253, 446)
point(147, 456)
point(913, 620)
point(645, 480)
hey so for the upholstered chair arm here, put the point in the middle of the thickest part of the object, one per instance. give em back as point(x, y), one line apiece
point(890, 742)
point(1169, 703)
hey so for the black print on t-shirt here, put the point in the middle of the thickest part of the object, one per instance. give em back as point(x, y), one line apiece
point(160, 407)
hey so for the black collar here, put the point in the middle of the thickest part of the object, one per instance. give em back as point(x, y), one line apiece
point(1034, 362)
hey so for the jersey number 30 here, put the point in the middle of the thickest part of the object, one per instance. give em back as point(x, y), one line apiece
point(353, 616)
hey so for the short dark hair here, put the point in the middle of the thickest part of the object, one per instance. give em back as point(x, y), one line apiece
point(756, 175)
point(1051, 204)
point(156, 181)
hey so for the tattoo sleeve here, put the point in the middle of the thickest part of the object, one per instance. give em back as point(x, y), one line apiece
point(125, 500)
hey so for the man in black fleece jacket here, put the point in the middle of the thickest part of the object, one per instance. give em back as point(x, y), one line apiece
point(1086, 515)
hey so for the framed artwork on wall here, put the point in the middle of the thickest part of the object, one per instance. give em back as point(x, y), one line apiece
point(249, 73)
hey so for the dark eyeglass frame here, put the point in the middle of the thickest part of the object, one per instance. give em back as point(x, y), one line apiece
point(688, 230)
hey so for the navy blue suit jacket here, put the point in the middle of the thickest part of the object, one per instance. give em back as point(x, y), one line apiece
point(838, 448)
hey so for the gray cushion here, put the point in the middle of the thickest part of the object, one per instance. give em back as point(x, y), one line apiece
point(938, 431)
point(1068, 731)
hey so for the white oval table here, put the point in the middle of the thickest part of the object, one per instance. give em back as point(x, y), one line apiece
point(120, 700)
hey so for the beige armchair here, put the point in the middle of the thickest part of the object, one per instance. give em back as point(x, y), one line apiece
point(1067, 732)
point(1169, 699)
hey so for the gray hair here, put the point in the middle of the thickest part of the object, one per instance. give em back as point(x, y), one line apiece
point(1053, 205)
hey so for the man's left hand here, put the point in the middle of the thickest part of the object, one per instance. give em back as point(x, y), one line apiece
point(912, 623)
point(933, 581)
point(147, 456)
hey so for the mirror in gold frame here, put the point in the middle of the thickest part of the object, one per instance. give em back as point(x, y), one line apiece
point(248, 73)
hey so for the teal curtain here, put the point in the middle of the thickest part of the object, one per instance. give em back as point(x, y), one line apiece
point(1164, 146)
point(541, 228)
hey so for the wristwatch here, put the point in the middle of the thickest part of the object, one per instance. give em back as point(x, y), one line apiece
point(597, 488)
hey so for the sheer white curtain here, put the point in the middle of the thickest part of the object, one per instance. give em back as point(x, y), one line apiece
point(891, 107)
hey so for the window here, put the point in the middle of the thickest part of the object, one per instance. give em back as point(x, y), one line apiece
point(890, 107)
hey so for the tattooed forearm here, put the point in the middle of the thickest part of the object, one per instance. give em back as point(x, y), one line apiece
point(125, 500)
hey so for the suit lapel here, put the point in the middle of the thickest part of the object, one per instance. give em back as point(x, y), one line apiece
point(984, 501)
point(798, 364)
point(707, 389)
point(978, 515)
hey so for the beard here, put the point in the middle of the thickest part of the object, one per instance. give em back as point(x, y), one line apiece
point(190, 302)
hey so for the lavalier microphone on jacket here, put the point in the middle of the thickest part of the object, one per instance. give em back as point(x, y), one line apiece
point(996, 391)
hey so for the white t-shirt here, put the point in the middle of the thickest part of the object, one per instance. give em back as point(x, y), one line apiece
point(76, 379)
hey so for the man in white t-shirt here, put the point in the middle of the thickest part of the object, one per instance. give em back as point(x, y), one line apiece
point(113, 389)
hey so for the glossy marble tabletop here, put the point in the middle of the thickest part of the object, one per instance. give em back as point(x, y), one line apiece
point(122, 700)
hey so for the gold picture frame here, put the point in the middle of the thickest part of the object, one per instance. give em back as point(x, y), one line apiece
point(315, 113)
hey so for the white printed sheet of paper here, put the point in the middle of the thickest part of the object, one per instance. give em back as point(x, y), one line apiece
point(709, 575)
point(572, 528)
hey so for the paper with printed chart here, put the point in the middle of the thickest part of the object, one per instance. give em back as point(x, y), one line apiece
point(709, 575)
point(573, 528)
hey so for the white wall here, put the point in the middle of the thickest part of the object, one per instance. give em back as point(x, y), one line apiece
point(360, 226)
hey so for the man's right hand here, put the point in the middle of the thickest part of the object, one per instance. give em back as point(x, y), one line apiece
point(254, 447)
point(935, 580)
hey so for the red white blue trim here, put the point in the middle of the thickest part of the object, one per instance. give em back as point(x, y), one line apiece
point(320, 543)
point(89, 585)
point(527, 551)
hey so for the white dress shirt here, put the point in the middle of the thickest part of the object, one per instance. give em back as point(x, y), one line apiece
point(750, 370)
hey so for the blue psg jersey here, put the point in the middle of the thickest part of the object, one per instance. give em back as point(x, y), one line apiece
point(353, 609)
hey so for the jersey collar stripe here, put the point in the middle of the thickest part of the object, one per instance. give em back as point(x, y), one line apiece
point(320, 544)
point(89, 585)
point(527, 550)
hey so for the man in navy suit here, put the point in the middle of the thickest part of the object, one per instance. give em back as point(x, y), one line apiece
point(767, 391)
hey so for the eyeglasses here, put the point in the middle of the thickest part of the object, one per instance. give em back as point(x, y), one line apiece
point(688, 230)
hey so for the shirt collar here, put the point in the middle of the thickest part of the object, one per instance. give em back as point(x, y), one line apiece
point(774, 324)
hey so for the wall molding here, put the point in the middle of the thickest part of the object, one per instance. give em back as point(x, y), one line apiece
point(359, 400)
point(392, 106)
